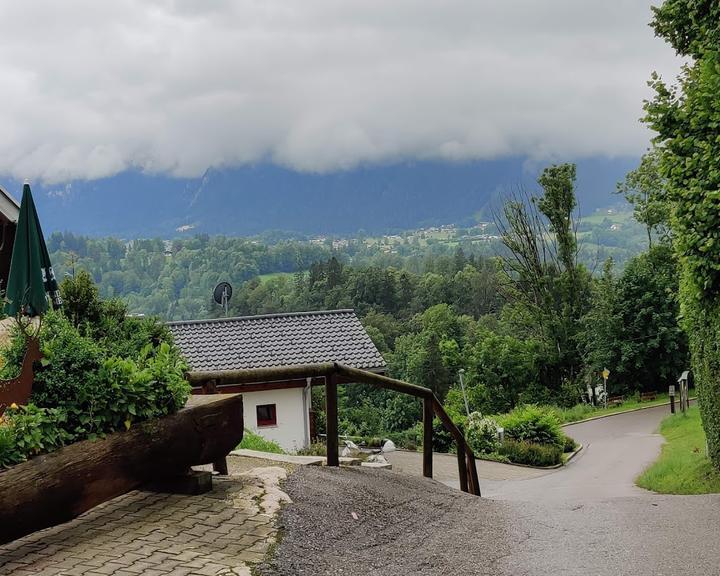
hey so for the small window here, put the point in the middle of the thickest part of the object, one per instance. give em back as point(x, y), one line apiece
point(266, 415)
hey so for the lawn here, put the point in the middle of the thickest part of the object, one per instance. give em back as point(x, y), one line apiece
point(683, 467)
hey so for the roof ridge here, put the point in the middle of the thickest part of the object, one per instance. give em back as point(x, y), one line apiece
point(262, 316)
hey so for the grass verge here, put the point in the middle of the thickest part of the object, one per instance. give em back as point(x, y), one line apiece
point(252, 441)
point(581, 412)
point(683, 467)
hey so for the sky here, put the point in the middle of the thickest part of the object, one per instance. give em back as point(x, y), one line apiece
point(93, 88)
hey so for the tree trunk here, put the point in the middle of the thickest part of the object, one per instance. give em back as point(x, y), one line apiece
point(57, 487)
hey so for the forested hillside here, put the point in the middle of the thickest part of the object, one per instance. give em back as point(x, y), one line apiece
point(529, 306)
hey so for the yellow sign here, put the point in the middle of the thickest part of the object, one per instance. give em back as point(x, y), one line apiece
point(605, 373)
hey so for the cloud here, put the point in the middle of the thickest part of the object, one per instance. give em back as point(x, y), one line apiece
point(93, 88)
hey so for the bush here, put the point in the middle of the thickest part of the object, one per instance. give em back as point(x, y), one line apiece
point(481, 434)
point(531, 454)
point(28, 430)
point(82, 389)
point(315, 449)
point(409, 439)
point(442, 439)
point(570, 444)
point(534, 424)
point(252, 441)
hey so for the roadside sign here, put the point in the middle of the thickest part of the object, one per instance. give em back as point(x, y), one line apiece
point(605, 374)
point(672, 390)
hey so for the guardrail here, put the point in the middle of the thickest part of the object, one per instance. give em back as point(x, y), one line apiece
point(334, 374)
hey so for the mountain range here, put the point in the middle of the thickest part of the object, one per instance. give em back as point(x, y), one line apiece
point(254, 199)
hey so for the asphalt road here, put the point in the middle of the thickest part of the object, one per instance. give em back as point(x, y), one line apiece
point(584, 519)
point(615, 451)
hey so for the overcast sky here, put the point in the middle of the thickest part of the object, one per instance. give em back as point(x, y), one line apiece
point(93, 88)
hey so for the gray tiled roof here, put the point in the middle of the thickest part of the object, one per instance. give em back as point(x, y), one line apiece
point(277, 340)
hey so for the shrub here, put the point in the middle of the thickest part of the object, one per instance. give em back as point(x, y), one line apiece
point(531, 453)
point(481, 434)
point(533, 424)
point(442, 439)
point(252, 441)
point(315, 449)
point(409, 439)
point(570, 444)
point(83, 390)
point(28, 430)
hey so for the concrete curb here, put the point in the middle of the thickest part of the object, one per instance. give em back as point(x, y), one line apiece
point(621, 412)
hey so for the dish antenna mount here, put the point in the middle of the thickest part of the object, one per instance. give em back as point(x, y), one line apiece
point(222, 295)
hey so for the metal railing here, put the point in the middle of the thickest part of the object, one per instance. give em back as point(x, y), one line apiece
point(334, 374)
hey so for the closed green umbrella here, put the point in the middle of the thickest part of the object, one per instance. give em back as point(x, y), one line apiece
point(31, 274)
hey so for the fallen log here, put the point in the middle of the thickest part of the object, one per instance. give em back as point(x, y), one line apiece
point(57, 487)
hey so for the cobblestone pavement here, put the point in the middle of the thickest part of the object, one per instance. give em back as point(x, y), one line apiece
point(219, 533)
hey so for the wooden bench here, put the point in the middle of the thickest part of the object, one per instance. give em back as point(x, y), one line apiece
point(615, 400)
point(646, 396)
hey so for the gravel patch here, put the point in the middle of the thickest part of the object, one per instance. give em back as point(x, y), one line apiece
point(350, 521)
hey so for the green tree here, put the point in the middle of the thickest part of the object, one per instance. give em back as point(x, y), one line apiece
point(548, 290)
point(644, 188)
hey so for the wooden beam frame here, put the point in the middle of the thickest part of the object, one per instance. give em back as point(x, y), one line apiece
point(334, 374)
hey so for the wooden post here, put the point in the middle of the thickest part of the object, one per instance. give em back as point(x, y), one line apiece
point(462, 465)
point(427, 438)
point(331, 416)
point(473, 480)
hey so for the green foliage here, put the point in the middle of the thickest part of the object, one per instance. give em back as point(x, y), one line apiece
point(531, 454)
point(102, 393)
point(502, 367)
point(81, 302)
point(252, 441)
point(28, 430)
point(535, 424)
point(645, 189)
point(315, 449)
point(442, 439)
point(686, 117)
point(632, 327)
point(548, 291)
point(570, 445)
point(83, 388)
point(481, 434)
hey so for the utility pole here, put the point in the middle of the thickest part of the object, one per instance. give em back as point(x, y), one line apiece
point(605, 374)
point(461, 373)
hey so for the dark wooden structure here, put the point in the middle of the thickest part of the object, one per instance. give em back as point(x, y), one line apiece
point(331, 375)
point(9, 212)
point(59, 486)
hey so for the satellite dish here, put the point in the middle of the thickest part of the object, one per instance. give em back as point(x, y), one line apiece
point(222, 295)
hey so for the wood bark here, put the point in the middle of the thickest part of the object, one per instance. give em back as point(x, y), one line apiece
point(57, 487)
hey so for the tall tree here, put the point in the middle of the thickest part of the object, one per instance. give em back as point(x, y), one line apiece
point(644, 188)
point(549, 291)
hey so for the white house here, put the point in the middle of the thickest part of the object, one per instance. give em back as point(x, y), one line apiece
point(279, 411)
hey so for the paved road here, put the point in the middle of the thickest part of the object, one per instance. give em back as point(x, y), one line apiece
point(615, 451)
point(585, 519)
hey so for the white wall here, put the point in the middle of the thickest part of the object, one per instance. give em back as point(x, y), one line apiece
point(291, 430)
